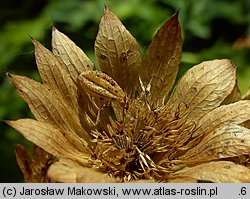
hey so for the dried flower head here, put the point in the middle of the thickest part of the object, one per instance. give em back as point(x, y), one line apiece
point(122, 123)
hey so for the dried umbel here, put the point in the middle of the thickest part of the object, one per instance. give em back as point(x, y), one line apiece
point(122, 123)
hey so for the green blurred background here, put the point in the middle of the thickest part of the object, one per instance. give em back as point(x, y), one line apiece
point(210, 30)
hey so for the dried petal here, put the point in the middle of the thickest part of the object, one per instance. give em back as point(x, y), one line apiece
point(229, 141)
point(203, 88)
point(67, 171)
point(46, 106)
point(53, 75)
point(117, 52)
point(234, 96)
point(223, 171)
point(71, 56)
point(100, 85)
point(86, 111)
point(161, 61)
point(236, 113)
point(63, 171)
point(34, 167)
point(24, 162)
point(53, 140)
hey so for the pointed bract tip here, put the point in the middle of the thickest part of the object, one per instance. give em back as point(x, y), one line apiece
point(8, 74)
point(54, 32)
point(176, 15)
point(175, 18)
point(6, 122)
point(53, 28)
point(105, 9)
point(32, 39)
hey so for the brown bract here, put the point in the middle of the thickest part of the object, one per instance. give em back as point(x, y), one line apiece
point(35, 166)
point(122, 123)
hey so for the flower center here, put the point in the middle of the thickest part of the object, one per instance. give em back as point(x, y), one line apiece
point(139, 146)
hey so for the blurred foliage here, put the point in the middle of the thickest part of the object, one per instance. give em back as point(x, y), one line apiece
point(210, 28)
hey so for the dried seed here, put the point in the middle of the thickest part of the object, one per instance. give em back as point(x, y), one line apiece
point(100, 85)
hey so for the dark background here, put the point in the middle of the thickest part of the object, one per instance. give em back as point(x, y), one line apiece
point(210, 30)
